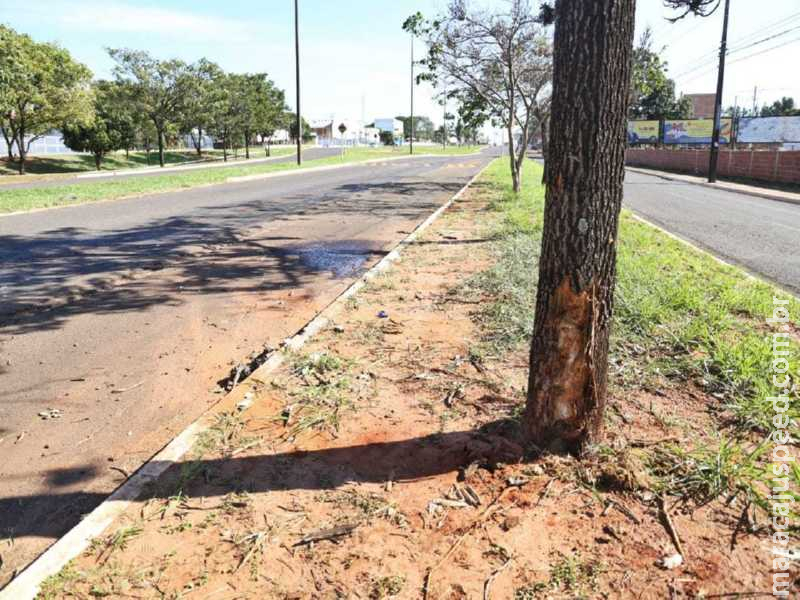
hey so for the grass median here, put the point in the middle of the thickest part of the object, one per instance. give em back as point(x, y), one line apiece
point(42, 166)
point(685, 326)
point(16, 200)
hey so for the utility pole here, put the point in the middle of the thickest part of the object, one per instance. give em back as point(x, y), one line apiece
point(411, 122)
point(755, 100)
point(297, 81)
point(723, 50)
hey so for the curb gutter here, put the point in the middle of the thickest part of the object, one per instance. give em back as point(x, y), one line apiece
point(749, 191)
point(26, 584)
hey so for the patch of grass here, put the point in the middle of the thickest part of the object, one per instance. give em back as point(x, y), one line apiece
point(386, 587)
point(58, 585)
point(322, 392)
point(679, 313)
point(705, 321)
point(111, 543)
point(574, 574)
point(727, 468)
point(51, 164)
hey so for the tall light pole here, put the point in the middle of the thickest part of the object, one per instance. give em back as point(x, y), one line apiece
point(723, 50)
point(411, 122)
point(297, 81)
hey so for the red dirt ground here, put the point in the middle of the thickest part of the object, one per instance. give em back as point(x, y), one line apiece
point(408, 425)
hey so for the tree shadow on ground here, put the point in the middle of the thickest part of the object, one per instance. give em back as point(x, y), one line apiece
point(324, 469)
point(49, 278)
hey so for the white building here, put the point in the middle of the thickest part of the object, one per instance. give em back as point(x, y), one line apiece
point(392, 125)
point(338, 131)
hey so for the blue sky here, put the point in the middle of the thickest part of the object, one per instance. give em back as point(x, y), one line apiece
point(354, 51)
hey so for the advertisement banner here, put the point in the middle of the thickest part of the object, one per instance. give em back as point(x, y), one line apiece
point(642, 132)
point(695, 131)
point(765, 130)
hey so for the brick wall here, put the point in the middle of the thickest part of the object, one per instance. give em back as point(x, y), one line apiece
point(764, 165)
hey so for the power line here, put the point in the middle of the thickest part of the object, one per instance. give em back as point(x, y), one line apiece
point(705, 59)
point(747, 57)
point(739, 49)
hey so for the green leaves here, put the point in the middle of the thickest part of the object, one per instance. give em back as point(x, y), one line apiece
point(652, 93)
point(43, 87)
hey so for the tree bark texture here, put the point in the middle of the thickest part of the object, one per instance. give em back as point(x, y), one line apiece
point(577, 269)
point(161, 147)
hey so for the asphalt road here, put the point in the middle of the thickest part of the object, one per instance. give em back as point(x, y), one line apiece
point(123, 316)
point(8, 180)
point(762, 236)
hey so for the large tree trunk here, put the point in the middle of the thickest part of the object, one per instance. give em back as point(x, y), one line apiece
point(22, 150)
point(98, 158)
point(161, 147)
point(10, 141)
point(569, 351)
point(513, 159)
point(247, 146)
point(199, 145)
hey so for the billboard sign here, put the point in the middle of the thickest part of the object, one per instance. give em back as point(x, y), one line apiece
point(642, 132)
point(765, 130)
point(695, 131)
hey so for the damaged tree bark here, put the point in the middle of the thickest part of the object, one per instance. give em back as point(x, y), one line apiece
point(585, 171)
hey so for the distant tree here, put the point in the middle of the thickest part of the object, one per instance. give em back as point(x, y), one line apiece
point(780, 108)
point(258, 103)
point(118, 104)
point(225, 122)
point(159, 87)
point(270, 112)
point(652, 93)
point(201, 92)
point(292, 120)
point(503, 56)
point(387, 138)
point(272, 122)
point(423, 127)
point(105, 133)
point(44, 88)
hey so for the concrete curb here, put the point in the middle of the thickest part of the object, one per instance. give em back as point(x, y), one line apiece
point(372, 161)
point(710, 254)
point(75, 541)
point(715, 186)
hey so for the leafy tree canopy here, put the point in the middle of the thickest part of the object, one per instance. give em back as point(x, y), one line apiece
point(652, 93)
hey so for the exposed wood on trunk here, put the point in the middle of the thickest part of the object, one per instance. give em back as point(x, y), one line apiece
point(569, 351)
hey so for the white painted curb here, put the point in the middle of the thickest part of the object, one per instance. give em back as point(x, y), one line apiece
point(26, 585)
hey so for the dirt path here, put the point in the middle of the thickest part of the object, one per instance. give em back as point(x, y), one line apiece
point(377, 464)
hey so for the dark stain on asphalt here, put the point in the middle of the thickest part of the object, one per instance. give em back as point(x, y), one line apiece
point(340, 258)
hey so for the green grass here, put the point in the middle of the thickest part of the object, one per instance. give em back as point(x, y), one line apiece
point(13, 200)
point(80, 163)
point(693, 317)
